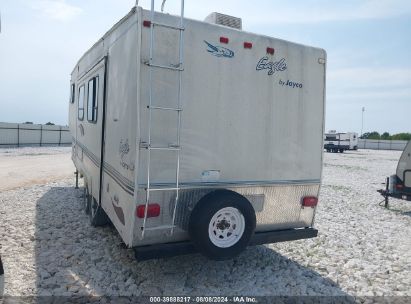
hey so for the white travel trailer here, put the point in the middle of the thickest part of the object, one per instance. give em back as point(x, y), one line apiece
point(399, 184)
point(189, 134)
point(339, 142)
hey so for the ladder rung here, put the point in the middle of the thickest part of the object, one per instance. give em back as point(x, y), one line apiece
point(160, 227)
point(169, 26)
point(164, 108)
point(174, 68)
point(144, 145)
point(176, 148)
point(163, 189)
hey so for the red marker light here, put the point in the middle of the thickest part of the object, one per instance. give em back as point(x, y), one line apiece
point(147, 23)
point(248, 45)
point(270, 51)
point(224, 40)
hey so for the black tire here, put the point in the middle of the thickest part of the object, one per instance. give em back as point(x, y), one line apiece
point(202, 215)
point(341, 150)
point(97, 215)
point(86, 200)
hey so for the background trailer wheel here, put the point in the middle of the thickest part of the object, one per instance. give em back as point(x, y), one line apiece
point(222, 224)
point(97, 215)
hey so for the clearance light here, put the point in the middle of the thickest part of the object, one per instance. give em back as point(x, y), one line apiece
point(270, 51)
point(310, 201)
point(248, 45)
point(153, 210)
point(224, 40)
point(147, 23)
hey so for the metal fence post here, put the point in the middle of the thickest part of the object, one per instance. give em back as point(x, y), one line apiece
point(18, 135)
point(41, 134)
point(60, 137)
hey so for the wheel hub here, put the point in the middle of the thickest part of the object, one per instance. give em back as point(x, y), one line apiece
point(223, 225)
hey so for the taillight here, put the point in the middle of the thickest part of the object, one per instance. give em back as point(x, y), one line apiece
point(399, 186)
point(310, 201)
point(147, 23)
point(153, 210)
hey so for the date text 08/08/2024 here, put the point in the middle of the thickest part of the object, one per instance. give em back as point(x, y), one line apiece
point(205, 299)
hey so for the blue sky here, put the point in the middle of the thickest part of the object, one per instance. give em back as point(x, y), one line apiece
point(368, 44)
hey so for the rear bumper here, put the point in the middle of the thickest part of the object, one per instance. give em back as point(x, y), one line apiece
point(180, 248)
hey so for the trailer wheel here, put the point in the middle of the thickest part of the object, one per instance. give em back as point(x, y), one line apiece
point(86, 200)
point(97, 215)
point(222, 224)
point(341, 150)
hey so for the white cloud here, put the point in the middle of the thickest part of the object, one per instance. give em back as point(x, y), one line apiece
point(57, 9)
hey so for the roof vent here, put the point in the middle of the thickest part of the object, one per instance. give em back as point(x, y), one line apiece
point(224, 20)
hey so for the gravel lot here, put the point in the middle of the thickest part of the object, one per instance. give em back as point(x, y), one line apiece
point(48, 247)
point(30, 165)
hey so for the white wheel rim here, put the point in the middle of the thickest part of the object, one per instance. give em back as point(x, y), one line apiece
point(226, 227)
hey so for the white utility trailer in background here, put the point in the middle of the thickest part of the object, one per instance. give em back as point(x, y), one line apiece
point(399, 184)
point(339, 142)
point(198, 136)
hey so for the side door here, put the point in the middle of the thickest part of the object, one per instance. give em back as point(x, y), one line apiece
point(89, 130)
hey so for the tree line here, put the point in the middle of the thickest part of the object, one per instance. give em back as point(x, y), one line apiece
point(386, 136)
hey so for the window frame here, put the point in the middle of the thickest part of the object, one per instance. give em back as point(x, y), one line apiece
point(94, 109)
point(78, 103)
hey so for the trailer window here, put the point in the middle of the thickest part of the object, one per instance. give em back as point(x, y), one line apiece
point(92, 99)
point(81, 103)
point(72, 93)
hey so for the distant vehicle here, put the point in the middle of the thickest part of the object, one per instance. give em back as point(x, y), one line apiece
point(399, 185)
point(203, 153)
point(340, 142)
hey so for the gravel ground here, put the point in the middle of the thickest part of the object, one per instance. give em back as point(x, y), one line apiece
point(27, 166)
point(48, 247)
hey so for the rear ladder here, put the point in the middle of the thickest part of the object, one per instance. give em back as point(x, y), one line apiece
point(171, 148)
